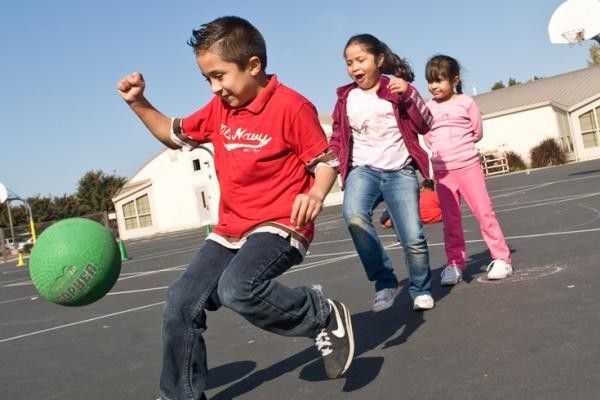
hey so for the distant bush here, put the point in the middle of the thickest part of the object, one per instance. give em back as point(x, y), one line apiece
point(547, 153)
point(515, 162)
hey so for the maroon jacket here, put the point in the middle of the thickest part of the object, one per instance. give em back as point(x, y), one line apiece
point(412, 115)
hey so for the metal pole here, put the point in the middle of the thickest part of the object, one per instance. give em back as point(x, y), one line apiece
point(31, 224)
point(10, 223)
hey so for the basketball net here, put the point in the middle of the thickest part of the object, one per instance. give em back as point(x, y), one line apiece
point(574, 36)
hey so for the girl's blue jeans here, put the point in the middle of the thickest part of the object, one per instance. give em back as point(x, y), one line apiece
point(241, 280)
point(365, 188)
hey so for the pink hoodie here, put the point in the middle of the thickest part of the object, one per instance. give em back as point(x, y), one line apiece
point(456, 128)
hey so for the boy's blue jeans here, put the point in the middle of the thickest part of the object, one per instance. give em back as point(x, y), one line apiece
point(365, 188)
point(241, 280)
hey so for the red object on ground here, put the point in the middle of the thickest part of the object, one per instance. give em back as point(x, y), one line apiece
point(429, 205)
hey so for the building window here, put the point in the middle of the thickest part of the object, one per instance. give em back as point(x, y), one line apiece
point(137, 213)
point(588, 123)
point(196, 164)
point(129, 215)
point(566, 140)
point(143, 211)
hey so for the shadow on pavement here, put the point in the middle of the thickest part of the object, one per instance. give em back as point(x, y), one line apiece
point(370, 331)
point(593, 171)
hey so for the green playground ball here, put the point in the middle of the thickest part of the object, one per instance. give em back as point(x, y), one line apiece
point(75, 262)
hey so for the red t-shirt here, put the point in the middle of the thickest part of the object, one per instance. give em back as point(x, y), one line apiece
point(260, 155)
point(429, 205)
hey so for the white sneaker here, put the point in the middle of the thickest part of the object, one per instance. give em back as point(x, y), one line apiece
point(384, 299)
point(451, 275)
point(423, 302)
point(499, 269)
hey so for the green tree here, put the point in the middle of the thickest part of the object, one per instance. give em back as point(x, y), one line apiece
point(94, 194)
point(511, 82)
point(594, 58)
point(498, 85)
point(66, 206)
point(41, 208)
point(18, 213)
point(96, 189)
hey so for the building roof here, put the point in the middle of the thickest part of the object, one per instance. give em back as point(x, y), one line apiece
point(563, 91)
point(131, 187)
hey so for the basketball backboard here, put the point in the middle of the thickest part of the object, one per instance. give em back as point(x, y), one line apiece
point(3, 193)
point(574, 21)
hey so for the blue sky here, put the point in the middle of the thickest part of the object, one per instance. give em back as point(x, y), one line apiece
point(60, 62)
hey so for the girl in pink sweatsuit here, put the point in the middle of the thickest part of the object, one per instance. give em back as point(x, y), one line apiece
point(455, 159)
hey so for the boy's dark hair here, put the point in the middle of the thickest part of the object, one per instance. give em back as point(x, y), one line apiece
point(233, 38)
point(392, 64)
point(442, 67)
point(428, 184)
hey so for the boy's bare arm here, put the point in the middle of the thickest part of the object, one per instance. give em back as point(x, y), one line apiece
point(131, 88)
point(307, 206)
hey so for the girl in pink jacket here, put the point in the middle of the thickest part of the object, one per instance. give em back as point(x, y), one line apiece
point(455, 159)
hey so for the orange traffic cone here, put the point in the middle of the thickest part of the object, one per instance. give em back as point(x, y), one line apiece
point(21, 261)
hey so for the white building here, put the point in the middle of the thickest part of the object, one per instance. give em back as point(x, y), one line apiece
point(176, 190)
point(565, 107)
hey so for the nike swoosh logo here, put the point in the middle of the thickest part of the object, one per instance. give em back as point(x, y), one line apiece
point(339, 331)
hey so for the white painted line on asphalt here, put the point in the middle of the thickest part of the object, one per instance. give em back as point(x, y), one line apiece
point(328, 254)
point(301, 267)
point(16, 271)
point(548, 202)
point(15, 280)
point(140, 274)
point(19, 299)
point(519, 188)
point(137, 291)
point(524, 190)
point(171, 252)
point(24, 283)
point(55, 328)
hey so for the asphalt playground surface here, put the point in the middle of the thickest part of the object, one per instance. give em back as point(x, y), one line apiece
point(535, 335)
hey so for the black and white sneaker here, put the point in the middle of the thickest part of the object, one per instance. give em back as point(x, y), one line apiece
point(335, 342)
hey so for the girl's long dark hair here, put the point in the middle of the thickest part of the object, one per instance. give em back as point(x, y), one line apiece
point(392, 63)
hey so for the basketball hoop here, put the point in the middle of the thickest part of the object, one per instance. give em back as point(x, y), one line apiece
point(575, 21)
point(574, 36)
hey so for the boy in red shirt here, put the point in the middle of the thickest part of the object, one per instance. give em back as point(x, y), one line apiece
point(429, 203)
point(274, 169)
point(429, 206)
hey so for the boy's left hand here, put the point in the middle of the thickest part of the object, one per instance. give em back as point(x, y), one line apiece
point(305, 209)
point(397, 85)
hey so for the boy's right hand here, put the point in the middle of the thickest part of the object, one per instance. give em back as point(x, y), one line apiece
point(131, 87)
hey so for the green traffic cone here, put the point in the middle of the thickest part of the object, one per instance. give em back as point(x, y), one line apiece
point(122, 250)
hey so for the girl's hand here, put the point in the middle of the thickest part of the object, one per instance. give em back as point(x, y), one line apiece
point(397, 85)
point(131, 87)
point(305, 209)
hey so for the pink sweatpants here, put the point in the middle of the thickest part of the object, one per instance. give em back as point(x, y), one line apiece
point(468, 183)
